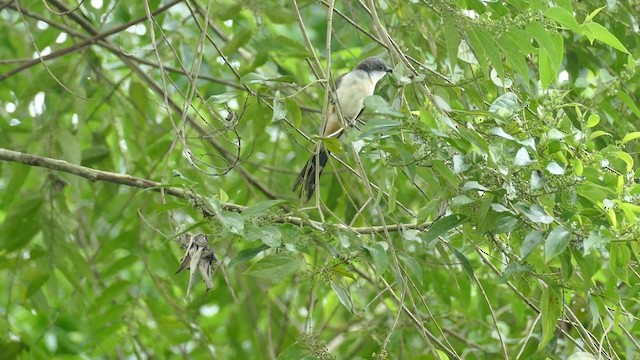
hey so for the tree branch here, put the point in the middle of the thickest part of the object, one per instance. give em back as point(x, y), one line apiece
point(132, 181)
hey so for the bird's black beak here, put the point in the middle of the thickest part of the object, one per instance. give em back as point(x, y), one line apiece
point(388, 70)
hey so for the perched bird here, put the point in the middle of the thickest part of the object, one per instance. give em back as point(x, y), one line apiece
point(351, 90)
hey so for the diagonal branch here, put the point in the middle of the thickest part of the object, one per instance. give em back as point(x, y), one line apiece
point(83, 44)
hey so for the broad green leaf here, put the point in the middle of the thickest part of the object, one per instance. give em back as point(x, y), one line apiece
point(550, 312)
point(294, 112)
point(554, 169)
point(474, 185)
point(490, 48)
point(297, 351)
point(222, 98)
point(619, 259)
point(535, 213)
point(412, 265)
point(593, 120)
point(536, 181)
point(233, 220)
point(376, 127)
point(270, 236)
point(332, 144)
point(452, 38)
point(498, 131)
point(556, 242)
point(35, 282)
point(631, 104)
point(446, 173)
point(593, 14)
point(531, 241)
point(275, 267)
point(379, 257)
point(596, 31)
point(597, 134)
point(628, 160)
point(261, 208)
point(279, 108)
point(465, 53)
point(563, 17)
point(377, 104)
point(505, 105)
point(343, 295)
point(582, 355)
point(630, 137)
point(522, 158)
point(478, 50)
point(21, 224)
point(466, 265)
point(246, 255)
point(442, 226)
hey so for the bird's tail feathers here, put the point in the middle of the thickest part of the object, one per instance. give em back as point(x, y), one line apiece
point(307, 177)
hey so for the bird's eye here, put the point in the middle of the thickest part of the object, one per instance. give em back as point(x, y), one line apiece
point(381, 67)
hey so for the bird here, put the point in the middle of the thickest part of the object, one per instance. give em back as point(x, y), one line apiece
point(351, 90)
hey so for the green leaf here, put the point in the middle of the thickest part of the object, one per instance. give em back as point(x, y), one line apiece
point(556, 242)
point(554, 169)
point(294, 111)
point(550, 52)
point(261, 208)
point(466, 265)
point(563, 17)
point(530, 242)
point(593, 120)
point(490, 48)
point(376, 127)
point(275, 267)
point(297, 351)
point(619, 259)
point(119, 265)
point(246, 255)
point(233, 220)
point(21, 224)
point(377, 104)
point(630, 137)
point(413, 266)
point(442, 226)
point(452, 38)
point(630, 102)
point(597, 134)
point(332, 144)
point(379, 257)
point(222, 98)
point(343, 295)
point(279, 108)
point(271, 236)
point(596, 31)
point(505, 105)
point(550, 311)
point(522, 158)
point(593, 14)
point(535, 213)
point(474, 185)
point(36, 283)
point(626, 158)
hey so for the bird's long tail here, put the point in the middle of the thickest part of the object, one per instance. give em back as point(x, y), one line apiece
point(307, 177)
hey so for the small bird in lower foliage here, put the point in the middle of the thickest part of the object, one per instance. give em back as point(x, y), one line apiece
point(351, 90)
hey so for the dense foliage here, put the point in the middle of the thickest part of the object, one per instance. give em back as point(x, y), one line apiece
point(487, 207)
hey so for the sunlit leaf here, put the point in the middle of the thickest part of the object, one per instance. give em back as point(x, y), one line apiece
point(556, 242)
point(275, 267)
